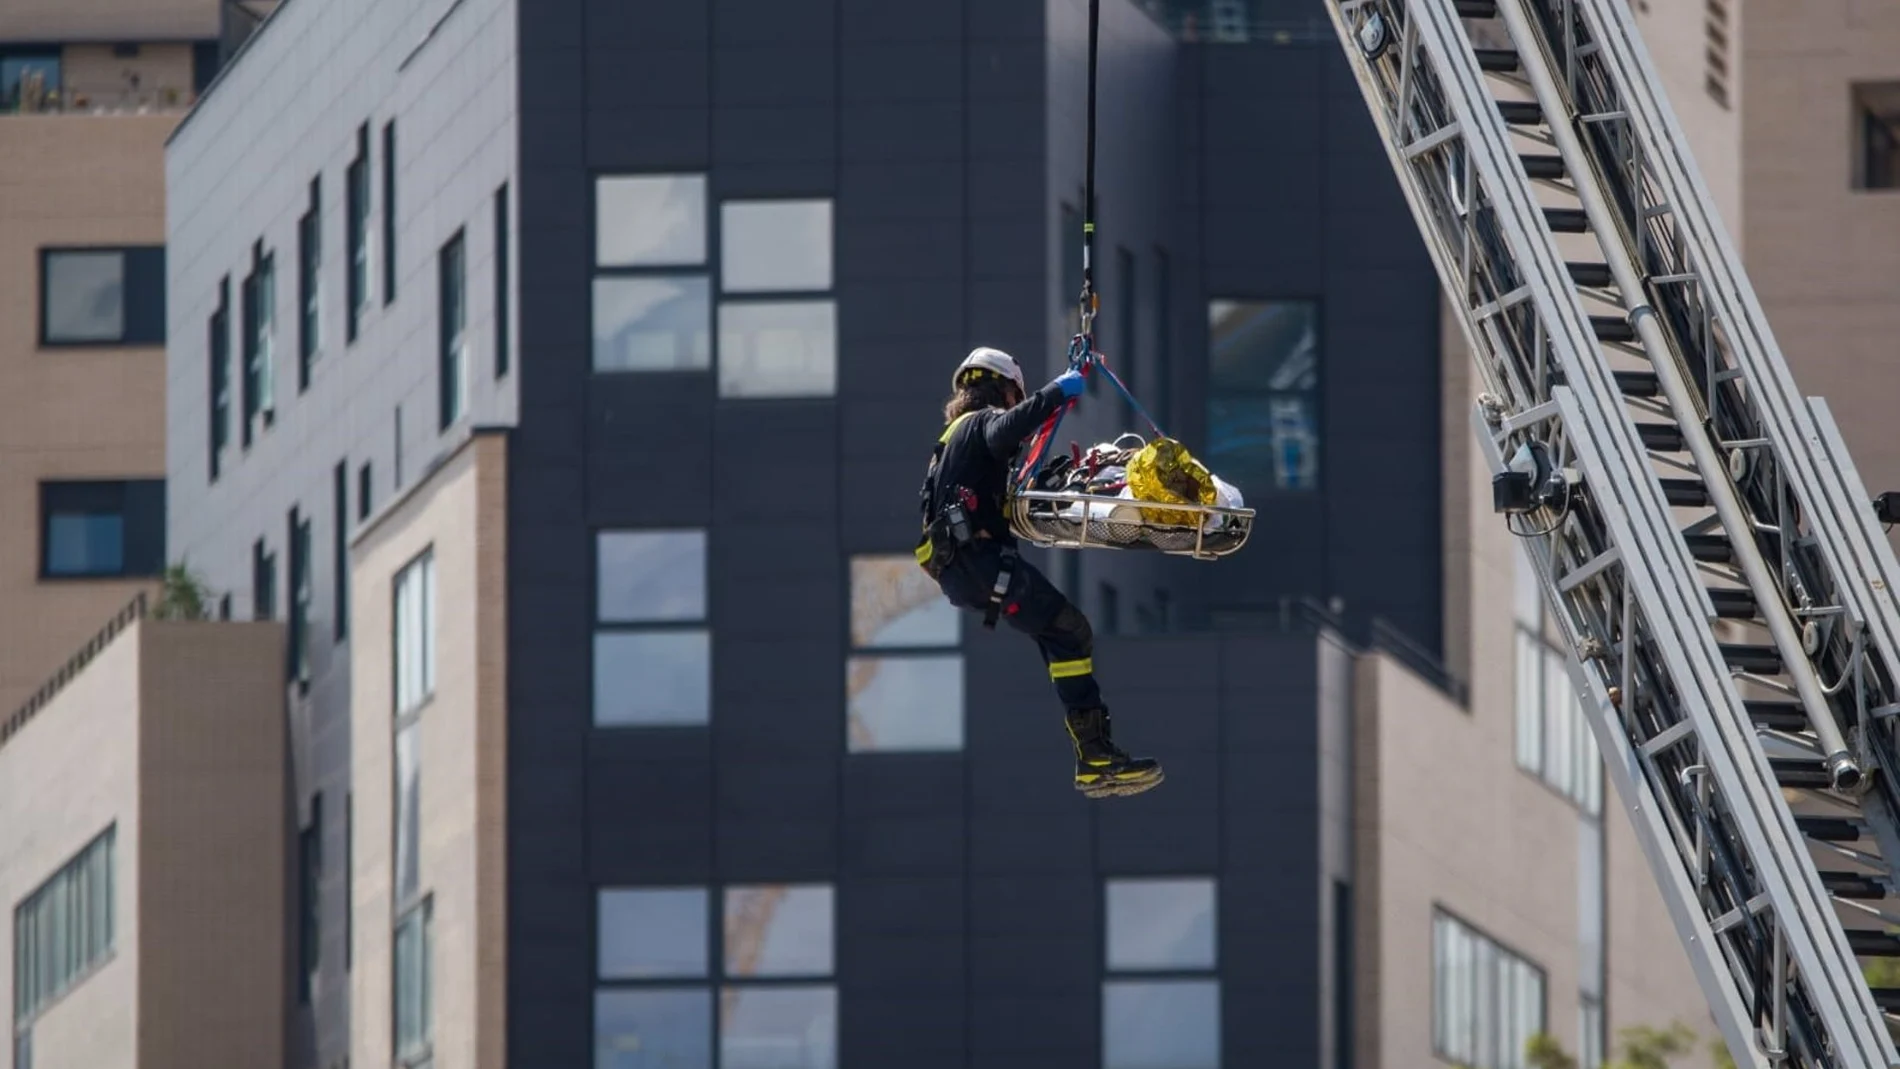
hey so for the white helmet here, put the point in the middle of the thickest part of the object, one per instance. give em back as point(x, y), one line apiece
point(994, 360)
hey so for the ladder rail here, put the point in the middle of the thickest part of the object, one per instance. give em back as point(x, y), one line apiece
point(1453, 156)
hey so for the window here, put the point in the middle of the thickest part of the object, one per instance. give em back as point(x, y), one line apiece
point(102, 296)
point(1591, 943)
point(781, 340)
point(1715, 55)
point(29, 79)
point(389, 212)
point(340, 549)
point(260, 304)
point(219, 357)
point(414, 983)
point(652, 646)
point(263, 582)
point(415, 634)
point(65, 929)
point(108, 529)
point(904, 678)
point(452, 336)
point(358, 235)
point(1554, 741)
point(310, 862)
point(362, 492)
point(1877, 141)
point(1161, 1000)
point(770, 964)
point(1263, 394)
point(1487, 1002)
point(504, 290)
point(349, 877)
point(301, 598)
point(309, 283)
point(652, 294)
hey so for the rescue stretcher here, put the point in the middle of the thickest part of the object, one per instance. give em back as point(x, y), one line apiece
point(1063, 519)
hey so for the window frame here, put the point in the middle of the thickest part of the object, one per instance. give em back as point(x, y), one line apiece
point(218, 359)
point(258, 344)
point(700, 625)
point(302, 598)
point(857, 653)
point(504, 283)
point(69, 967)
point(422, 913)
point(1114, 977)
point(123, 493)
point(1505, 955)
point(422, 564)
point(310, 284)
point(356, 234)
point(128, 337)
point(389, 213)
point(452, 335)
point(701, 272)
point(823, 298)
point(716, 981)
point(1317, 392)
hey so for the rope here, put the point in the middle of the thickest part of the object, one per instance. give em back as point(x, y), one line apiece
point(1089, 301)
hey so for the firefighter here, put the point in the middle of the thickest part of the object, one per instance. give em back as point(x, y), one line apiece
point(968, 548)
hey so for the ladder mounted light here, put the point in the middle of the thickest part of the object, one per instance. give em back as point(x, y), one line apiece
point(1887, 507)
point(1532, 482)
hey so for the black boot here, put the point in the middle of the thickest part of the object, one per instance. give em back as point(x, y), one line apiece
point(1102, 769)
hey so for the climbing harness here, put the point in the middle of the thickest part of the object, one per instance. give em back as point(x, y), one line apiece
point(1038, 513)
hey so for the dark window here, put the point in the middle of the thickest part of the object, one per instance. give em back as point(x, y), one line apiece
point(1160, 399)
point(102, 529)
point(389, 211)
point(357, 222)
point(29, 79)
point(102, 296)
point(263, 582)
point(1342, 975)
point(340, 546)
point(206, 59)
point(1263, 430)
point(451, 337)
point(502, 287)
point(362, 491)
point(300, 598)
point(397, 485)
point(310, 862)
point(309, 284)
point(260, 312)
point(1877, 149)
point(219, 357)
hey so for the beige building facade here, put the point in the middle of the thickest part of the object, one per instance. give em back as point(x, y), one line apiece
point(89, 91)
point(143, 834)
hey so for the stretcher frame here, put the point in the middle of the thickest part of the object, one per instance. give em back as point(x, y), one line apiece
point(1050, 530)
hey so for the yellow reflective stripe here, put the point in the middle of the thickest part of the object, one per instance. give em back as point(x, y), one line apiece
point(952, 428)
point(1071, 669)
point(923, 553)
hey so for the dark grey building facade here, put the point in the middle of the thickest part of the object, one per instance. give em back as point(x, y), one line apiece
point(604, 217)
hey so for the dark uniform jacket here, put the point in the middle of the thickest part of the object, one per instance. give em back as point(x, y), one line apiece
point(977, 450)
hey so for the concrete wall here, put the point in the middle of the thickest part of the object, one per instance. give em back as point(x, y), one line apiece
point(171, 736)
point(109, 20)
point(69, 413)
point(459, 515)
point(1823, 256)
point(239, 171)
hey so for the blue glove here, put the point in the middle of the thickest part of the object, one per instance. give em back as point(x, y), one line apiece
point(1072, 383)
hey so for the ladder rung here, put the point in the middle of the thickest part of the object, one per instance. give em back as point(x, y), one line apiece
point(1660, 437)
point(1762, 660)
point(1542, 165)
point(1734, 604)
point(1780, 716)
point(1613, 328)
point(1710, 548)
point(1521, 112)
point(1852, 885)
point(1477, 9)
point(1497, 60)
point(1871, 944)
point(1828, 829)
point(1637, 383)
point(1597, 275)
point(1567, 220)
point(1686, 493)
point(1800, 772)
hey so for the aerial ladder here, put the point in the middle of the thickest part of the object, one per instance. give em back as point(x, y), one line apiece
point(1700, 533)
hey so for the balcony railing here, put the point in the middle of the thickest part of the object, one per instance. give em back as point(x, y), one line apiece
point(106, 102)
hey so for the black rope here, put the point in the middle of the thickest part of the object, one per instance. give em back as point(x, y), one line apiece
point(1089, 303)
